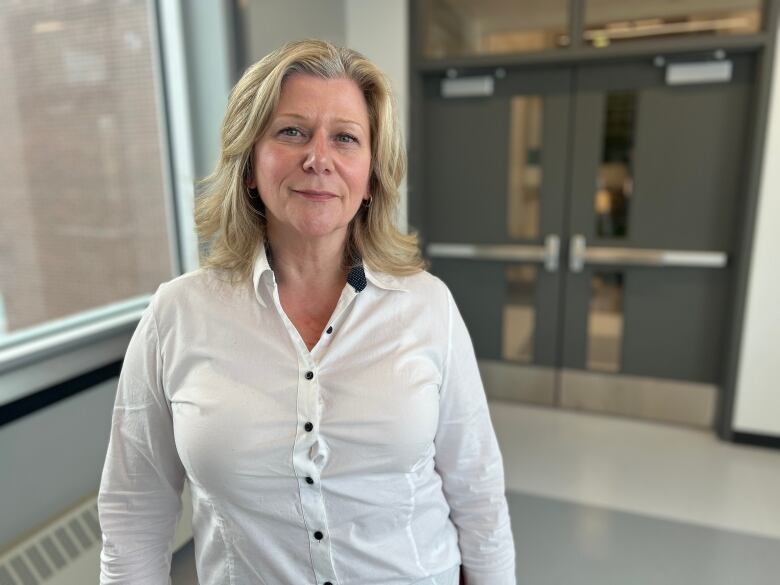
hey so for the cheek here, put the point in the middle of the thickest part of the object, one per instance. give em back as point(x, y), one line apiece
point(270, 168)
point(359, 175)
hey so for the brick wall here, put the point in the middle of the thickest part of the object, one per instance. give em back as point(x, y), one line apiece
point(82, 208)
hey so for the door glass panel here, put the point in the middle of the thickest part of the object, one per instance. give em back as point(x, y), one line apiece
point(525, 166)
point(456, 28)
point(615, 181)
point(609, 21)
point(519, 314)
point(605, 322)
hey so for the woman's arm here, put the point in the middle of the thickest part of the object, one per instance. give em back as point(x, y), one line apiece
point(469, 462)
point(139, 501)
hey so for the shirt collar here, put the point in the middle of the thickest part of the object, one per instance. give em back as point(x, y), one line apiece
point(383, 280)
point(260, 268)
point(359, 276)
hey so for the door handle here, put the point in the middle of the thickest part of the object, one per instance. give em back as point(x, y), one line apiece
point(548, 254)
point(552, 252)
point(577, 250)
point(580, 255)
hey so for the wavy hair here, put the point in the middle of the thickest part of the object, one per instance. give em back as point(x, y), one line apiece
point(230, 220)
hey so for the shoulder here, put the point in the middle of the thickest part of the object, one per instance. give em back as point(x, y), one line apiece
point(420, 293)
point(193, 290)
point(424, 283)
point(421, 283)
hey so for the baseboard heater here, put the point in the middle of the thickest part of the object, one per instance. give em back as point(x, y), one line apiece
point(67, 550)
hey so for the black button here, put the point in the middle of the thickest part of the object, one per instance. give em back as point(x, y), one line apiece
point(329, 331)
point(308, 427)
point(327, 583)
point(318, 535)
point(309, 480)
point(309, 375)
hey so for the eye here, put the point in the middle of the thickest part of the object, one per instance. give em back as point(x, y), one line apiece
point(346, 138)
point(291, 131)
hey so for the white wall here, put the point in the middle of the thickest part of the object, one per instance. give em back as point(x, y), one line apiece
point(379, 29)
point(757, 405)
point(270, 23)
point(207, 45)
point(52, 459)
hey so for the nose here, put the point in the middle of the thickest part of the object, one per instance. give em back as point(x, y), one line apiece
point(318, 157)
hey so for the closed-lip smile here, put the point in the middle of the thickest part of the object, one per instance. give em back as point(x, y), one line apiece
point(315, 194)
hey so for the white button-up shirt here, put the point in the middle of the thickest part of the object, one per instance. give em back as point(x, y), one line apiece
point(369, 460)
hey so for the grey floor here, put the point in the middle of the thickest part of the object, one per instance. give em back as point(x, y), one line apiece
point(183, 566)
point(563, 543)
point(566, 543)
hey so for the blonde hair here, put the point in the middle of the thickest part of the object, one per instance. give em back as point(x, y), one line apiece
point(229, 218)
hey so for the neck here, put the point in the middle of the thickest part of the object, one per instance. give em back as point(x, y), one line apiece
point(311, 263)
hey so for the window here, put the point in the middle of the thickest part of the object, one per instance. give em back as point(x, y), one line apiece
point(84, 222)
point(610, 21)
point(457, 28)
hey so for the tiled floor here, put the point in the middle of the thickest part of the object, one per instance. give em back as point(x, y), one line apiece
point(606, 501)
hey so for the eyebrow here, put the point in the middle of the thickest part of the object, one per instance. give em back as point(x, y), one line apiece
point(302, 117)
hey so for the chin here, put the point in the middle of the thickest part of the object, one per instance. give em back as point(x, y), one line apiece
point(318, 229)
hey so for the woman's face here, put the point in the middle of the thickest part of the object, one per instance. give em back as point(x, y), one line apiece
point(312, 164)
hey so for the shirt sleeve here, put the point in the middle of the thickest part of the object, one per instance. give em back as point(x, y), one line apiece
point(139, 501)
point(469, 462)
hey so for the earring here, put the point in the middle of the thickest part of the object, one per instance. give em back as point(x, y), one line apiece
point(367, 203)
point(254, 193)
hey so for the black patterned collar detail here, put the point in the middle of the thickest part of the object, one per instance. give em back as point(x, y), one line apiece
point(357, 277)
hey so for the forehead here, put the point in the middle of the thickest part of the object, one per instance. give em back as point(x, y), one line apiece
point(312, 96)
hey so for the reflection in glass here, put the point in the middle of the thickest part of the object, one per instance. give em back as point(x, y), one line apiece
point(608, 21)
point(519, 314)
point(525, 166)
point(605, 322)
point(615, 181)
point(453, 28)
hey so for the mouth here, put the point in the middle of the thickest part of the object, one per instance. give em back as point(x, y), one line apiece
point(315, 195)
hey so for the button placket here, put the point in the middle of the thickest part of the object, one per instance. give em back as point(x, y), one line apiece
point(309, 442)
point(306, 464)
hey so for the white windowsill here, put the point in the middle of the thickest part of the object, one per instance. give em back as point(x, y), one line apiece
point(66, 349)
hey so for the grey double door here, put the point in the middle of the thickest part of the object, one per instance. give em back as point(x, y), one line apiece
point(584, 219)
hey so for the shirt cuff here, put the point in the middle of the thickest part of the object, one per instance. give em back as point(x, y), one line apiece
point(483, 578)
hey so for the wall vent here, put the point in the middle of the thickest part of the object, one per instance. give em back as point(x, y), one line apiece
point(67, 551)
point(70, 545)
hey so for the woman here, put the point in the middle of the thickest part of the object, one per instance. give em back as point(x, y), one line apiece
point(313, 383)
